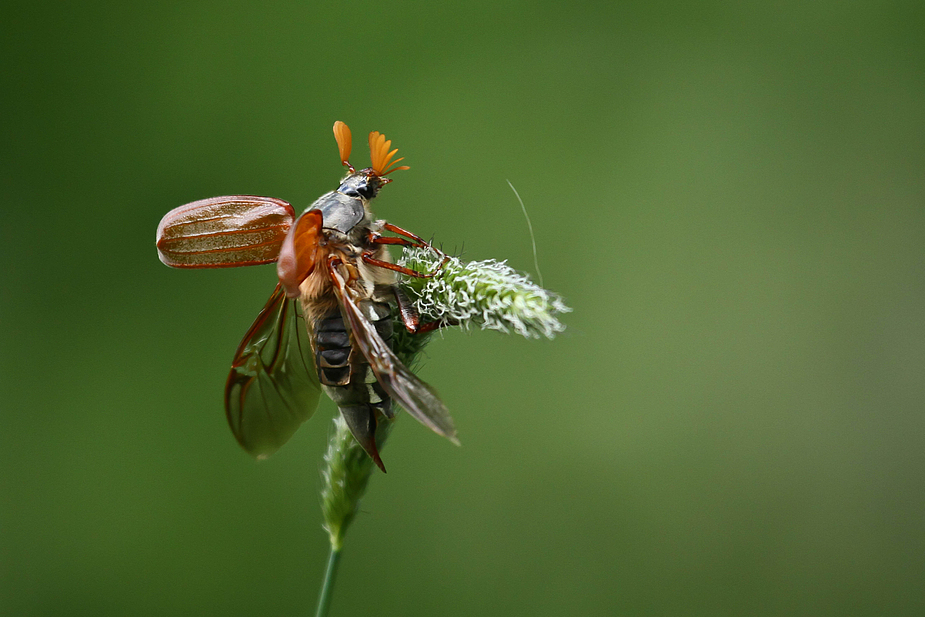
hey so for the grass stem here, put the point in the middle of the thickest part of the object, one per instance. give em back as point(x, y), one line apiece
point(327, 586)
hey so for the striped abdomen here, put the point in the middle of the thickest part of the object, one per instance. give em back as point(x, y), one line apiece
point(345, 374)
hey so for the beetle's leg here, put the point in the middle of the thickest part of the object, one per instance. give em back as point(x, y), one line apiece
point(368, 258)
point(409, 239)
point(395, 229)
point(375, 238)
point(409, 315)
point(412, 319)
point(430, 326)
point(335, 262)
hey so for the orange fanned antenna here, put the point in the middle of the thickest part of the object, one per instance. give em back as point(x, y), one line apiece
point(381, 157)
point(344, 141)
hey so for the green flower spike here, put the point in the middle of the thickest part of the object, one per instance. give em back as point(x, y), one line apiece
point(489, 295)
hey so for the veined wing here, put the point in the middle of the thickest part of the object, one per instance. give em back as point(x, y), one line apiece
point(272, 387)
point(418, 398)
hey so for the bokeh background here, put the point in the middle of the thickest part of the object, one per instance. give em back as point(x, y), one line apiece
point(731, 196)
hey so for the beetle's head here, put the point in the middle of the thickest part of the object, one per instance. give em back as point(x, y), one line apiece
point(361, 183)
point(366, 182)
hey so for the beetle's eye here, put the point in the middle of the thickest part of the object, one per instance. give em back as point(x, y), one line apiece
point(367, 191)
point(351, 192)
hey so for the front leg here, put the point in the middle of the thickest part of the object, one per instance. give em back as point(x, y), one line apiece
point(375, 239)
point(409, 239)
point(367, 257)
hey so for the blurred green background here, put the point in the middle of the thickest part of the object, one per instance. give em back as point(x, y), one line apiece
point(730, 195)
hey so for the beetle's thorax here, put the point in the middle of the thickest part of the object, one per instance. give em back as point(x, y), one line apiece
point(346, 210)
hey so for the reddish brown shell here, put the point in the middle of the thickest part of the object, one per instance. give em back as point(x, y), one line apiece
point(300, 252)
point(224, 232)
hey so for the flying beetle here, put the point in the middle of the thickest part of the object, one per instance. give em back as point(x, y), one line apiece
point(328, 324)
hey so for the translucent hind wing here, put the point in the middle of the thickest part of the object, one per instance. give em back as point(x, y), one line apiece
point(273, 386)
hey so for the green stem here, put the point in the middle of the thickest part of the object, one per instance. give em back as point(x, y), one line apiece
point(327, 586)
